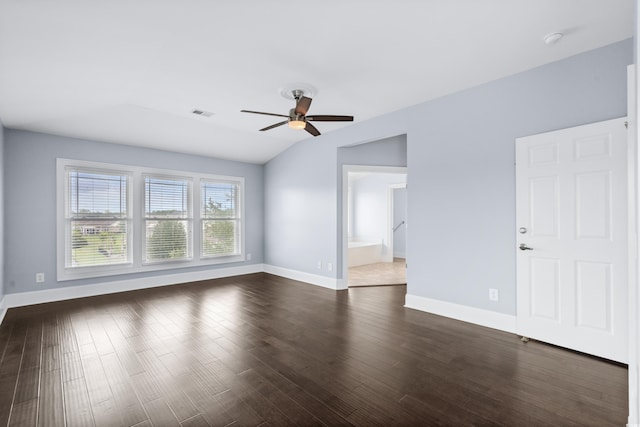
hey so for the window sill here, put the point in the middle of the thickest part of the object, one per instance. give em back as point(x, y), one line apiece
point(106, 271)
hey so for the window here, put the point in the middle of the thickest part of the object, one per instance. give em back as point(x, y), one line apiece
point(115, 219)
point(220, 215)
point(97, 218)
point(167, 217)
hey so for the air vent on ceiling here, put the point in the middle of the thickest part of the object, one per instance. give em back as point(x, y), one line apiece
point(202, 113)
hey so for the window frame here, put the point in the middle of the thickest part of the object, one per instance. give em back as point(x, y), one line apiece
point(238, 218)
point(190, 219)
point(64, 217)
point(136, 220)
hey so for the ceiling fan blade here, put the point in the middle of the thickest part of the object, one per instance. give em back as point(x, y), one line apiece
point(328, 118)
point(260, 112)
point(275, 125)
point(303, 106)
point(312, 129)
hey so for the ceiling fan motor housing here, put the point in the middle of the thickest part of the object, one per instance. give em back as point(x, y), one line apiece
point(294, 116)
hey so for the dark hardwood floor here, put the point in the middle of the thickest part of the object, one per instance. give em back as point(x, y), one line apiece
point(262, 350)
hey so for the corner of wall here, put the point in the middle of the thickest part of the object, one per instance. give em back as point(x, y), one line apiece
point(61, 294)
point(3, 308)
point(301, 276)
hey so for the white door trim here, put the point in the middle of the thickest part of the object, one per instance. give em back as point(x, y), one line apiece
point(634, 266)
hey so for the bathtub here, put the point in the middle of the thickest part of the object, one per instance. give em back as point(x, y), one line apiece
point(362, 253)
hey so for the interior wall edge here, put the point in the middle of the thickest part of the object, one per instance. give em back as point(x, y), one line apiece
point(3, 308)
point(301, 276)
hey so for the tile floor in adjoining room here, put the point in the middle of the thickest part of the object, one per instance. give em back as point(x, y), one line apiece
point(379, 274)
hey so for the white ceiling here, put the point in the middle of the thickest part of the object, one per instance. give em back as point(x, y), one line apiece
point(131, 72)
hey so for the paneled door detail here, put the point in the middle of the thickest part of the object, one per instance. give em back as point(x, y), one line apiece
point(571, 236)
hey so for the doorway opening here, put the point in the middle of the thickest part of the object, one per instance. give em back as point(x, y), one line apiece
point(374, 225)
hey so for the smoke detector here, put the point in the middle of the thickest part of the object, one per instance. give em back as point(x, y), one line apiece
point(552, 38)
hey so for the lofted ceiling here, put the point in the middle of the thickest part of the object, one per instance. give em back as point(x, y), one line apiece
point(132, 72)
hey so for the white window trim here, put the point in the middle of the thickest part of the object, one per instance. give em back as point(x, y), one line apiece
point(239, 217)
point(136, 238)
point(191, 219)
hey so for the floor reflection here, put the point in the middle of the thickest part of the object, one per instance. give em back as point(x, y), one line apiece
point(261, 349)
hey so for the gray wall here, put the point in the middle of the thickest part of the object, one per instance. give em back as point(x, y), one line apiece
point(301, 202)
point(461, 167)
point(461, 176)
point(30, 201)
point(385, 152)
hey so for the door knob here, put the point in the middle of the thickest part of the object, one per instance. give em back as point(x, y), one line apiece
point(524, 247)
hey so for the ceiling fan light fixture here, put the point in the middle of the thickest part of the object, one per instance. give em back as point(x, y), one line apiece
point(297, 124)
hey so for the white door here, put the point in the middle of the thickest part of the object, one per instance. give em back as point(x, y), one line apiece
point(571, 201)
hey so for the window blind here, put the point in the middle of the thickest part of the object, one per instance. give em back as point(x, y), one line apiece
point(220, 213)
point(122, 219)
point(168, 218)
point(97, 218)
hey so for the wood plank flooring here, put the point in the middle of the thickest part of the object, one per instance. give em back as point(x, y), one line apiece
point(260, 350)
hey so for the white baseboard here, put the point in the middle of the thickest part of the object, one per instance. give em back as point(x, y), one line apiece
point(313, 279)
point(71, 292)
point(478, 316)
point(400, 255)
point(3, 308)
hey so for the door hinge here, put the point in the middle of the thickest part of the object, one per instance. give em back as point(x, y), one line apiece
point(626, 124)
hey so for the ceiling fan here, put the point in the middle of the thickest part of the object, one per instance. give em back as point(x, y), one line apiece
point(298, 119)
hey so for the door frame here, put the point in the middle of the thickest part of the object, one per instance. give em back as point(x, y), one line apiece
point(345, 217)
point(633, 95)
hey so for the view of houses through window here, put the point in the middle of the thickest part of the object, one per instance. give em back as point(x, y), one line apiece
point(98, 217)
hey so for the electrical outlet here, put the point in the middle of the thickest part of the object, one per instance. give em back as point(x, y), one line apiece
point(319, 265)
point(249, 257)
point(494, 295)
point(330, 266)
point(39, 277)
